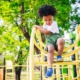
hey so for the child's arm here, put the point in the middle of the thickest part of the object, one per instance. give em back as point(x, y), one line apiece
point(43, 30)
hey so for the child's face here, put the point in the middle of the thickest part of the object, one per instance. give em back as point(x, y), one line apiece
point(48, 19)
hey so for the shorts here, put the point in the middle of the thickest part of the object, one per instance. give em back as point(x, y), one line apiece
point(52, 39)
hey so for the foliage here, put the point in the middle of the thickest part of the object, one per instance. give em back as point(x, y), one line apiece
point(22, 15)
point(10, 43)
point(11, 11)
point(75, 13)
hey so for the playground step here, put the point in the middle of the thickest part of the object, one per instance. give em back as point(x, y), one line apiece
point(54, 76)
point(59, 63)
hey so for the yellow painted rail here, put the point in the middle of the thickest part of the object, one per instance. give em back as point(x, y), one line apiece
point(38, 60)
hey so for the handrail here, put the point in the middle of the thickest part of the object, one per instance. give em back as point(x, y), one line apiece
point(40, 45)
point(66, 49)
point(43, 45)
point(64, 55)
point(31, 53)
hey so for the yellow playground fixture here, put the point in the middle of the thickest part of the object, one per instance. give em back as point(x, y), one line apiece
point(38, 60)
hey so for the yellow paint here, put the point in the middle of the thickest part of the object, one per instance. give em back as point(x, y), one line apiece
point(40, 45)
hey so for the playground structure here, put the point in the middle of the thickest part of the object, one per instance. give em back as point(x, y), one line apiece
point(63, 70)
point(36, 66)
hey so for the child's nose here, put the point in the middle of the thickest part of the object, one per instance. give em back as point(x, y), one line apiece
point(48, 23)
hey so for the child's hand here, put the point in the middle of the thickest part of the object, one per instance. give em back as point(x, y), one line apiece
point(36, 26)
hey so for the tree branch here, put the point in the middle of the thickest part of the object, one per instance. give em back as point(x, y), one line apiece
point(26, 34)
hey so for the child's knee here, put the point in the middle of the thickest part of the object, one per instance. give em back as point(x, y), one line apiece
point(50, 48)
point(60, 41)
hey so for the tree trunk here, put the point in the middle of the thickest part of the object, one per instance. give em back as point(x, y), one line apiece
point(18, 68)
point(26, 34)
point(19, 61)
point(18, 72)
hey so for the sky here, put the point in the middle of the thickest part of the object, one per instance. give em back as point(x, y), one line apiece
point(1, 21)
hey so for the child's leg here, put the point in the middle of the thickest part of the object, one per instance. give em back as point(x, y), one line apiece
point(50, 60)
point(50, 55)
point(60, 43)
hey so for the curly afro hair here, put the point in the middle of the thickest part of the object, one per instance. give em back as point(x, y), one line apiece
point(47, 10)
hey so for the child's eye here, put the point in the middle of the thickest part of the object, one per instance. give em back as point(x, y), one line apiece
point(45, 20)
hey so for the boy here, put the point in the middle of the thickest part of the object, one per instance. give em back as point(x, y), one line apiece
point(51, 32)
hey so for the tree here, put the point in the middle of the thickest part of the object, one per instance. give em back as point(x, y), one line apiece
point(23, 14)
point(14, 45)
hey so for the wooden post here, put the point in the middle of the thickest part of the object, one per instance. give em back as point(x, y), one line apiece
point(77, 53)
point(31, 55)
